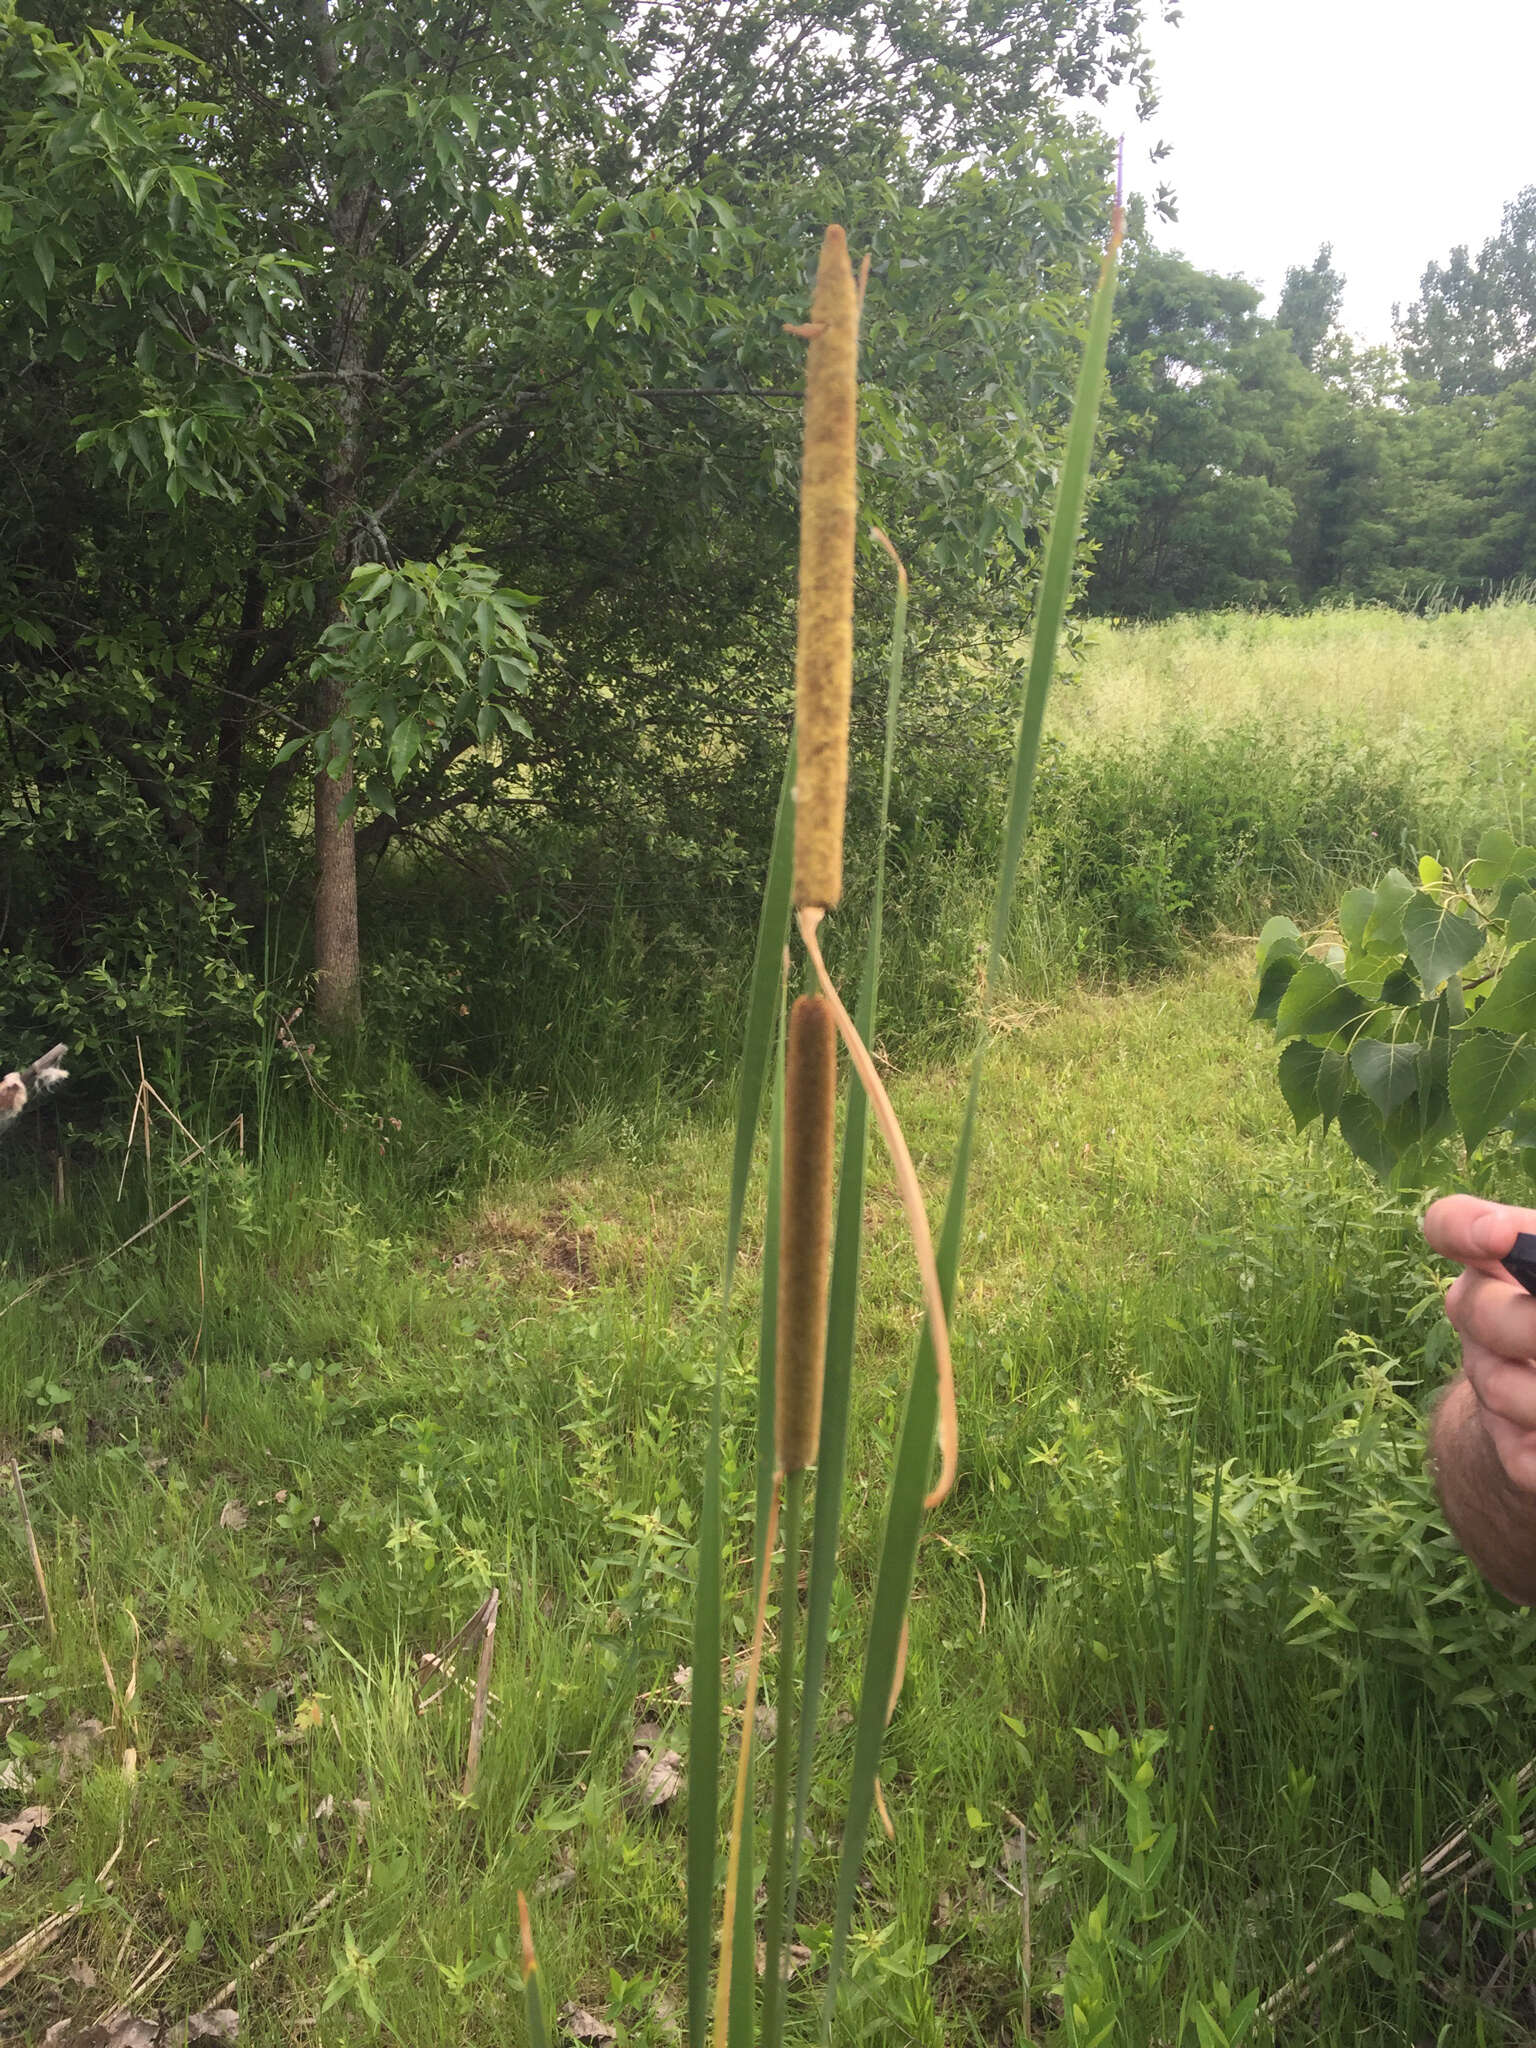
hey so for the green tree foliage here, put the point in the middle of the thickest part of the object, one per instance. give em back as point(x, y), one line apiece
point(1472, 329)
point(1197, 511)
point(486, 299)
point(1278, 462)
point(1309, 306)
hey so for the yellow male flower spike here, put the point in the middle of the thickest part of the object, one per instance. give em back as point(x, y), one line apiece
point(805, 1230)
point(828, 517)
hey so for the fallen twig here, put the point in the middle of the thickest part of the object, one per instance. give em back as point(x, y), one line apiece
point(227, 1991)
point(36, 1555)
point(482, 1691)
point(42, 1937)
point(1439, 1863)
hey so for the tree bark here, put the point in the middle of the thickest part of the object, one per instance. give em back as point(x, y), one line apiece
point(338, 957)
point(355, 220)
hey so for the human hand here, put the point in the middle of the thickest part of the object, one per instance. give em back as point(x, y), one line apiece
point(1496, 1321)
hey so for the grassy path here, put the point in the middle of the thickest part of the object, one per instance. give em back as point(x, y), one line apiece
point(1191, 1516)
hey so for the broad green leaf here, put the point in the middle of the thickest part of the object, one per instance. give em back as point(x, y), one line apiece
point(1491, 1075)
point(1360, 1127)
point(1400, 988)
point(1495, 858)
point(1511, 1004)
point(1430, 870)
point(1355, 913)
point(1316, 1003)
point(1298, 1067)
point(1521, 922)
point(1439, 941)
point(1394, 892)
point(1279, 937)
point(1273, 983)
point(404, 745)
point(1387, 1070)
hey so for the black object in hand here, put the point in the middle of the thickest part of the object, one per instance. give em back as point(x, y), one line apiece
point(1521, 1263)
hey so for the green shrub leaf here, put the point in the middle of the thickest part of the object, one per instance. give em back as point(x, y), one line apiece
point(1361, 1129)
point(1439, 940)
point(1299, 1063)
point(1273, 983)
point(1279, 939)
point(1511, 1004)
point(1355, 914)
point(1388, 1071)
point(1490, 1076)
point(1316, 1002)
point(1393, 895)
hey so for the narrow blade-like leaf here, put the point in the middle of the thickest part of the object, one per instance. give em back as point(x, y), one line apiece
point(704, 1714)
point(904, 1519)
point(843, 1297)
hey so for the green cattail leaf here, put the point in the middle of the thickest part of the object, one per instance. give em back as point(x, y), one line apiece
point(704, 1713)
point(842, 1304)
point(775, 1931)
point(533, 1987)
point(538, 2029)
point(743, 2006)
point(914, 1450)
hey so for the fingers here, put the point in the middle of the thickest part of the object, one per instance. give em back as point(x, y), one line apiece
point(1463, 1227)
point(1514, 1447)
point(1493, 1313)
point(1505, 1387)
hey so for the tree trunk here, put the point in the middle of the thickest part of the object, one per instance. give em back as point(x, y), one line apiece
point(355, 215)
point(338, 959)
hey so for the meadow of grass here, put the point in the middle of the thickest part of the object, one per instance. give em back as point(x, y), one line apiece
point(281, 1448)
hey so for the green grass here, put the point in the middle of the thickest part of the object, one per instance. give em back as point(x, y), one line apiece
point(483, 1356)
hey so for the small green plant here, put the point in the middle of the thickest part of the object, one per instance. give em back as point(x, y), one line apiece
point(1117, 1974)
point(1411, 1023)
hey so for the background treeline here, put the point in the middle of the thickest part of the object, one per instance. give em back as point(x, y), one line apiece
point(1274, 461)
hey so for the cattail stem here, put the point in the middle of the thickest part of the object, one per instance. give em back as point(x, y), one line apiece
point(828, 523)
point(805, 1230)
point(776, 1934)
point(743, 1781)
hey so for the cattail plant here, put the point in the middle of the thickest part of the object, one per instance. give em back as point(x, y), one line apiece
point(812, 1246)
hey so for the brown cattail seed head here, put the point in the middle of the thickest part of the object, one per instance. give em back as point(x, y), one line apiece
point(805, 1230)
point(828, 521)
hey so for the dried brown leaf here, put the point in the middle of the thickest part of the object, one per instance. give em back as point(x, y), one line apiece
point(652, 1779)
point(24, 1830)
point(577, 2024)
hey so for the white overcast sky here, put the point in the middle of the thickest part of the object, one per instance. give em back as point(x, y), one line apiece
point(1393, 129)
